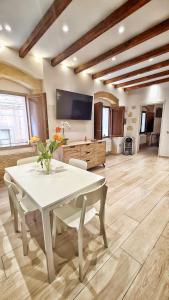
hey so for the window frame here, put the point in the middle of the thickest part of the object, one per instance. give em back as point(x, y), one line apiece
point(104, 137)
point(25, 96)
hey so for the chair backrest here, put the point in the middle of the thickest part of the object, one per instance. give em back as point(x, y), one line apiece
point(15, 201)
point(13, 191)
point(93, 196)
point(78, 163)
point(8, 182)
point(27, 160)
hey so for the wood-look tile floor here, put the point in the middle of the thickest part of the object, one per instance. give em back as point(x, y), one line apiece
point(136, 264)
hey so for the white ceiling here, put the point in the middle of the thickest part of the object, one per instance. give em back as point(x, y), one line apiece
point(81, 16)
point(22, 16)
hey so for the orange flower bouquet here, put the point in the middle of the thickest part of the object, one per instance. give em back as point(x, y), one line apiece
point(57, 136)
point(46, 151)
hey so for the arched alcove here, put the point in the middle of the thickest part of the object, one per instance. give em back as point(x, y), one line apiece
point(107, 96)
point(16, 75)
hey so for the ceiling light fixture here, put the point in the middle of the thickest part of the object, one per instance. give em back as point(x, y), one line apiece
point(75, 58)
point(64, 66)
point(121, 29)
point(84, 73)
point(1, 27)
point(37, 58)
point(65, 28)
point(7, 27)
point(113, 58)
point(151, 59)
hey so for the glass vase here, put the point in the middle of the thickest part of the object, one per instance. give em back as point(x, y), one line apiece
point(47, 165)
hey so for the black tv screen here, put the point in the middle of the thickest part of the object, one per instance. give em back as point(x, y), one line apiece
point(73, 106)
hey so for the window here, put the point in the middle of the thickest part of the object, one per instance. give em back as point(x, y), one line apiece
point(13, 121)
point(105, 121)
point(143, 122)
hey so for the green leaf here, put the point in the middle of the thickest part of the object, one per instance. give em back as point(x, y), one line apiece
point(53, 146)
point(41, 147)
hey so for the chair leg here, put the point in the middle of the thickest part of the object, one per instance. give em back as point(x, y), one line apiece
point(76, 252)
point(11, 207)
point(54, 231)
point(24, 238)
point(103, 231)
point(15, 220)
point(80, 252)
point(34, 216)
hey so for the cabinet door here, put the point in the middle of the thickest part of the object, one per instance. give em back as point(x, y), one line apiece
point(37, 115)
point(100, 152)
point(117, 121)
point(98, 109)
point(71, 152)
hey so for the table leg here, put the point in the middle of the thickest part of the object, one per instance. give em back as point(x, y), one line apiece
point(48, 245)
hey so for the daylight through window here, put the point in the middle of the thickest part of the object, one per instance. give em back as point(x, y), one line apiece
point(143, 122)
point(13, 121)
point(105, 122)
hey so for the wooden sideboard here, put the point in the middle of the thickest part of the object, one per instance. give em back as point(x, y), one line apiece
point(94, 153)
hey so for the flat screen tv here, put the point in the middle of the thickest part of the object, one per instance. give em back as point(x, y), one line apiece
point(73, 106)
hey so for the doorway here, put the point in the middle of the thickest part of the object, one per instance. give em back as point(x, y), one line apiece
point(150, 128)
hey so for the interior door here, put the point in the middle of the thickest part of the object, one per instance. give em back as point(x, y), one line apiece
point(98, 110)
point(37, 115)
point(149, 121)
point(117, 121)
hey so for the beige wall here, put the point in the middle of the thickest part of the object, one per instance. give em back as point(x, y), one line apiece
point(8, 85)
point(64, 78)
point(27, 64)
point(10, 72)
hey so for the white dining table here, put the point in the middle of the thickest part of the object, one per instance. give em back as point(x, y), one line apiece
point(63, 184)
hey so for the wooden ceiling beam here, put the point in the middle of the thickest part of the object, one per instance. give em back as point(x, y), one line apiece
point(133, 61)
point(138, 86)
point(114, 18)
point(136, 40)
point(142, 79)
point(47, 20)
point(156, 66)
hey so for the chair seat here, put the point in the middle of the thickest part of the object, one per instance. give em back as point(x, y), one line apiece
point(27, 204)
point(71, 215)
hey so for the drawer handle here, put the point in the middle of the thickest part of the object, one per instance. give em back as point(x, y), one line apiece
point(87, 144)
point(72, 146)
point(87, 152)
point(87, 160)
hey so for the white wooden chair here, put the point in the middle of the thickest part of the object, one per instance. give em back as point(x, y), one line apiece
point(80, 213)
point(27, 160)
point(24, 161)
point(7, 182)
point(21, 207)
point(78, 163)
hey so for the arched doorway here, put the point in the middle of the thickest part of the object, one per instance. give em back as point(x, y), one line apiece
point(102, 95)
